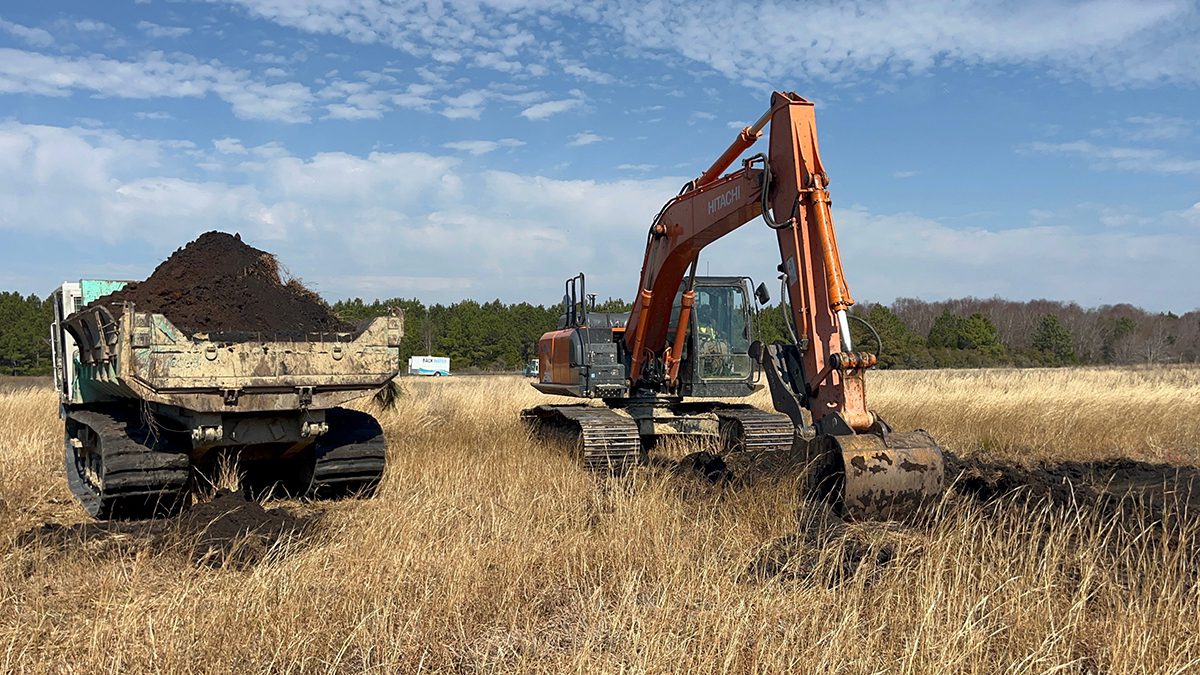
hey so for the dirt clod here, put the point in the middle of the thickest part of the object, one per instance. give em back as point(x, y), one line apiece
point(231, 528)
point(218, 284)
point(704, 466)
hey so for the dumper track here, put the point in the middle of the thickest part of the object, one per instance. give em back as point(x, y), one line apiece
point(745, 428)
point(351, 456)
point(119, 468)
point(606, 442)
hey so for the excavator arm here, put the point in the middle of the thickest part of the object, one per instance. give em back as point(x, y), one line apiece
point(796, 206)
point(880, 471)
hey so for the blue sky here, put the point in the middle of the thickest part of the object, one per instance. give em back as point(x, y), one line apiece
point(491, 148)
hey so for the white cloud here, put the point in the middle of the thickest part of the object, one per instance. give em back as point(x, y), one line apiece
point(155, 30)
point(229, 146)
point(35, 37)
point(499, 62)
point(388, 224)
point(385, 223)
point(355, 101)
point(896, 255)
point(585, 73)
point(1124, 158)
point(585, 138)
point(66, 181)
point(905, 174)
point(639, 168)
point(1157, 128)
point(153, 76)
point(92, 26)
point(1109, 42)
point(478, 148)
point(153, 115)
point(467, 105)
point(547, 109)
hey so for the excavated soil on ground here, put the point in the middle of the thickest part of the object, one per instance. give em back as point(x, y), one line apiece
point(1114, 486)
point(1120, 487)
point(1132, 498)
point(219, 285)
point(226, 530)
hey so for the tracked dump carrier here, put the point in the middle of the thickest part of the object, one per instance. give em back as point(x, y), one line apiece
point(146, 405)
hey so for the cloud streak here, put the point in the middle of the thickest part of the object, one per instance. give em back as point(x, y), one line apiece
point(1109, 157)
point(155, 75)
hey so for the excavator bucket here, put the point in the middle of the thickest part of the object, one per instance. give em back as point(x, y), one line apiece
point(887, 476)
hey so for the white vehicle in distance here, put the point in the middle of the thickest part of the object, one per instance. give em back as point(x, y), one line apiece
point(436, 366)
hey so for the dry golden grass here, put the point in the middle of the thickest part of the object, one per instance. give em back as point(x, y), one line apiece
point(487, 552)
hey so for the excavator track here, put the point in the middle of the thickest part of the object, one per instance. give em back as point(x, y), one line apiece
point(608, 442)
point(351, 456)
point(118, 468)
point(745, 428)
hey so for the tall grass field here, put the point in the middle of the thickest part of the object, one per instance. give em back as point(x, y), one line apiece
point(488, 551)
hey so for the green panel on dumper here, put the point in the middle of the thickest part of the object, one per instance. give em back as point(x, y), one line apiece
point(94, 289)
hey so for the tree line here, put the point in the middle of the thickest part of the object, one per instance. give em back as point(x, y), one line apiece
point(979, 332)
point(913, 333)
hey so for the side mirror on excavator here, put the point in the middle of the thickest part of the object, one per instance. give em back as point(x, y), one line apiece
point(762, 295)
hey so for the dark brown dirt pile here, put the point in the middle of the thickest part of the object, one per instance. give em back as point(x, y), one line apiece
point(227, 530)
point(219, 285)
point(231, 528)
point(1119, 487)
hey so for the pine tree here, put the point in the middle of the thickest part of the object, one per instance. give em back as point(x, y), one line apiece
point(946, 330)
point(1053, 339)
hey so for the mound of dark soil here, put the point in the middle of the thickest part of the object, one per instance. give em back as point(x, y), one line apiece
point(831, 552)
point(225, 530)
point(218, 284)
point(231, 528)
point(1116, 486)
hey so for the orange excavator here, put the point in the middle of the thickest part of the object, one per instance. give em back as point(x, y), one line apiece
point(688, 337)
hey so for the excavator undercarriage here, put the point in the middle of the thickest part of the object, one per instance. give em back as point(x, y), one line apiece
point(615, 438)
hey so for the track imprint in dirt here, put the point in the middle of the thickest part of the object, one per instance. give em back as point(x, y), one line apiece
point(219, 285)
point(225, 530)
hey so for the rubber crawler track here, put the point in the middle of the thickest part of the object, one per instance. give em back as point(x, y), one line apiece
point(745, 428)
point(138, 475)
point(351, 456)
point(609, 442)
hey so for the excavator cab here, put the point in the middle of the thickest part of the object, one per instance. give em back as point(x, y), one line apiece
point(716, 358)
point(584, 356)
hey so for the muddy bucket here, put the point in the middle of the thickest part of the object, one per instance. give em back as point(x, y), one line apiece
point(889, 476)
